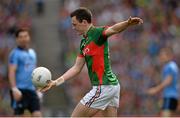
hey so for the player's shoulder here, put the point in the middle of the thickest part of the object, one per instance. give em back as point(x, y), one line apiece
point(14, 51)
point(172, 65)
point(100, 27)
point(32, 51)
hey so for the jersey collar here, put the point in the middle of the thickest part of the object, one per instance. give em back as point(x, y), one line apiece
point(21, 48)
point(88, 31)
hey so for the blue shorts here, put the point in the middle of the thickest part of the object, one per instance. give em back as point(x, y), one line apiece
point(29, 101)
point(170, 104)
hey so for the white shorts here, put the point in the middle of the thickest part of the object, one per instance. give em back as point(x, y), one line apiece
point(99, 97)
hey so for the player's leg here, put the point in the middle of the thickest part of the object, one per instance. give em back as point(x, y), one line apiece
point(166, 113)
point(36, 114)
point(83, 111)
point(85, 106)
point(110, 111)
point(169, 107)
point(18, 107)
point(34, 104)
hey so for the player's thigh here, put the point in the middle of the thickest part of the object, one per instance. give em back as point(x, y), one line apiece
point(83, 111)
point(165, 113)
point(110, 111)
point(169, 106)
point(36, 114)
point(33, 103)
point(18, 106)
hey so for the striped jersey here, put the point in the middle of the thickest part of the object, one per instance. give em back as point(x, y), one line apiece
point(94, 48)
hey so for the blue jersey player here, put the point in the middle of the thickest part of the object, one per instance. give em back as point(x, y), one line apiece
point(22, 61)
point(168, 86)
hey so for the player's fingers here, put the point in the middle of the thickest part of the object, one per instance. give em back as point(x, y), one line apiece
point(140, 21)
point(45, 88)
point(39, 89)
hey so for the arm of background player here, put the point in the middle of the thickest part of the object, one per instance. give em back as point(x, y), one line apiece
point(11, 75)
point(161, 86)
point(119, 27)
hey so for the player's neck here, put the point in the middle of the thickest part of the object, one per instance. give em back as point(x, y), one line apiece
point(23, 47)
point(88, 28)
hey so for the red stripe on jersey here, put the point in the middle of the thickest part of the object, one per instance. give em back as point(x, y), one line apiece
point(104, 32)
point(80, 55)
point(97, 53)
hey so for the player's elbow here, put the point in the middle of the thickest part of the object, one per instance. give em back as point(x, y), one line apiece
point(77, 69)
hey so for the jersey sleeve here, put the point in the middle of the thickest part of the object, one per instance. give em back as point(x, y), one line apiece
point(13, 58)
point(80, 53)
point(103, 34)
point(102, 37)
point(170, 72)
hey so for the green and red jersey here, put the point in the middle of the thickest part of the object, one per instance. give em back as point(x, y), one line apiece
point(94, 48)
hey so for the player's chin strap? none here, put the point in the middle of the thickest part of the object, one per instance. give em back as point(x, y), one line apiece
point(59, 81)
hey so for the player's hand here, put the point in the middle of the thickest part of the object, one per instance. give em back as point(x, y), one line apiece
point(151, 91)
point(48, 86)
point(134, 21)
point(17, 95)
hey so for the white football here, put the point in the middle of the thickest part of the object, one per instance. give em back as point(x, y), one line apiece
point(41, 76)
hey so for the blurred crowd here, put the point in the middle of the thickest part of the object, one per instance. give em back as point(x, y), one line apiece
point(13, 14)
point(133, 52)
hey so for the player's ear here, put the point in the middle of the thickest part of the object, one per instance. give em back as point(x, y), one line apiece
point(84, 22)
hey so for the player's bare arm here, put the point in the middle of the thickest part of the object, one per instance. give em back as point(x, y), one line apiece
point(73, 71)
point(119, 27)
point(161, 86)
point(15, 91)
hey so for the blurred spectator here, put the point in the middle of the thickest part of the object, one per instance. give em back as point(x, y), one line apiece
point(40, 6)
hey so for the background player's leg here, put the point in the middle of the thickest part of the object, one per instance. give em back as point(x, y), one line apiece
point(166, 113)
point(83, 111)
point(110, 112)
point(36, 114)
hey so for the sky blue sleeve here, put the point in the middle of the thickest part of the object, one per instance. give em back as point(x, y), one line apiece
point(13, 58)
point(170, 72)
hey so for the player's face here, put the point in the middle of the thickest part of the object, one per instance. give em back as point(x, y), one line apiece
point(80, 27)
point(23, 39)
point(163, 57)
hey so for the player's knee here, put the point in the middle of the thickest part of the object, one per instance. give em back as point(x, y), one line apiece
point(165, 113)
point(36, 114)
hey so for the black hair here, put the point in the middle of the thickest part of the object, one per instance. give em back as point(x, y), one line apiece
point(18, 31)
point(82, 14)
point(167, 50)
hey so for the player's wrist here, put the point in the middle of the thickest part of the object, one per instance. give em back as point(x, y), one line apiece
point(128, 22)
point(14, 89)
point(59, 81)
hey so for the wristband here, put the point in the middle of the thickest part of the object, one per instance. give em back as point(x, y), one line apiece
point(59, 81)
point(14, 89)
